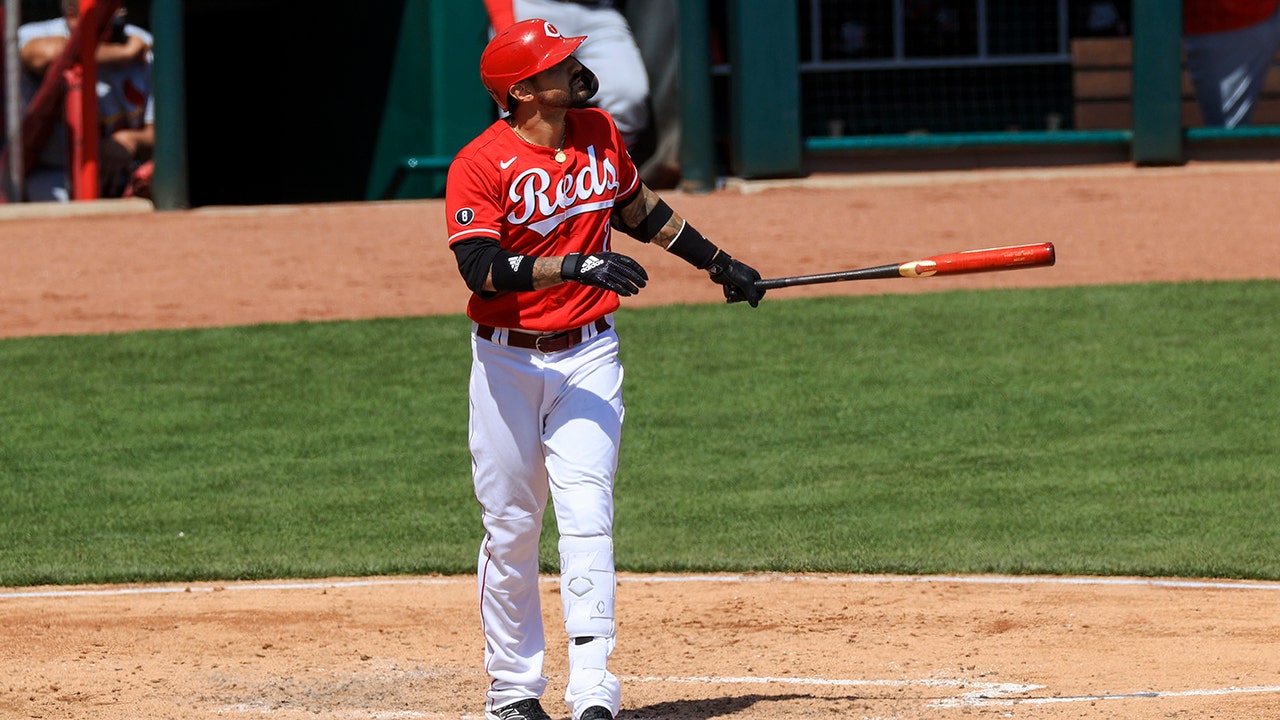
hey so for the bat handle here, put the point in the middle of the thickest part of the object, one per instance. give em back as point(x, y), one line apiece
point(879, 272)
point(771, 283)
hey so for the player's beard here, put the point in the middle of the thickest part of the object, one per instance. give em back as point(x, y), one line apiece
point(585, 85)
point(582, 87)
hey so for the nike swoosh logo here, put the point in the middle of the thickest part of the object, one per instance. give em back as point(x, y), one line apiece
point(507, 163)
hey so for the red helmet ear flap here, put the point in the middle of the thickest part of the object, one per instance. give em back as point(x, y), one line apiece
point(520, 52)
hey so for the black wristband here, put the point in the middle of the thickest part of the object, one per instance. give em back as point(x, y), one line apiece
point(689, 245)
point(718, 264)
point(569, 265)
point(511, 272)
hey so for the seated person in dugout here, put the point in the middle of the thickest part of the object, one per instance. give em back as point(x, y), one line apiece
point(126, 111)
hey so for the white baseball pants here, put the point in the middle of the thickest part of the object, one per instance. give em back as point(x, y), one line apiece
point(539, 424)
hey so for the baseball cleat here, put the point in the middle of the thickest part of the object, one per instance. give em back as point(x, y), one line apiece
point(595, 712)
point(529, 709)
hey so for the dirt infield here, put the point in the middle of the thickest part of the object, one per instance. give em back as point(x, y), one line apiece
point(691, 648)
point(220, 266)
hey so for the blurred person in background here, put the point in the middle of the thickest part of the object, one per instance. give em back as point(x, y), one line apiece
point(1230, 45)
point(126, 111)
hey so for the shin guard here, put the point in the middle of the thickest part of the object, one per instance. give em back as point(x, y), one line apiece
point(587, 586)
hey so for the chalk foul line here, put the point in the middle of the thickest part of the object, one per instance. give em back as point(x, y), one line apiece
point(1204, 692)
point(979, 694)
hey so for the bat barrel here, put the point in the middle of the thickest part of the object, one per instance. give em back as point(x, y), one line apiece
point(1015, 257)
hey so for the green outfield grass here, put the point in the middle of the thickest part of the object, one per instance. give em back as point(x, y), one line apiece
point(1104, 430)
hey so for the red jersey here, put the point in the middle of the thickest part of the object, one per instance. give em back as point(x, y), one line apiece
point(504, 188)
point(1210, 16)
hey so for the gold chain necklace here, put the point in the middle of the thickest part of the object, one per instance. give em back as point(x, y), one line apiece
point(560, 156)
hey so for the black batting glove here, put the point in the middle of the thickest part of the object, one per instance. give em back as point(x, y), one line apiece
point(738, 279)
point(607, 270)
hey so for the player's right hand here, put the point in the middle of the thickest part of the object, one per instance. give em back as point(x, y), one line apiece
point(737, 278)
point(608, 270)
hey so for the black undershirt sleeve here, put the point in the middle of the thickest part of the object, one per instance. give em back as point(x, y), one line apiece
point(475, 257)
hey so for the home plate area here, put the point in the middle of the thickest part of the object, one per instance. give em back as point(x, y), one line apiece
point(756, 646)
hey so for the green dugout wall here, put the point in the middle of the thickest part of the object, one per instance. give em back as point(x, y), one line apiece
point(766, 139)
point(278, 101)
point(435, 103)
point(370, 101)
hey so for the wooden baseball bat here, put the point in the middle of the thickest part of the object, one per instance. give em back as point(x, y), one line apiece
point(1014, 257)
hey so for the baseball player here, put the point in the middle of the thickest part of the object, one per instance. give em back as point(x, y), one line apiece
point(1230, 45)
point(530, 207)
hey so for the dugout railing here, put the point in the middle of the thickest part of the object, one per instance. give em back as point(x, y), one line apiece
point(1039, 123)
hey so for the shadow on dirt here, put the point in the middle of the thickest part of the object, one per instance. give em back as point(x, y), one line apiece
point(705, 709)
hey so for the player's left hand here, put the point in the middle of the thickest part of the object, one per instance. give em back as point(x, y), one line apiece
point(738, 279)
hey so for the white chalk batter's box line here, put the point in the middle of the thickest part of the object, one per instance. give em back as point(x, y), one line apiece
point(978, 694)
point(454, 580)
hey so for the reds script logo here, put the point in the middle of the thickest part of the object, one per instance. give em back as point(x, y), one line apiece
point(534, 196)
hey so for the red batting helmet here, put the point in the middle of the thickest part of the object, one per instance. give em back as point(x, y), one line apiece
point(520, 52)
